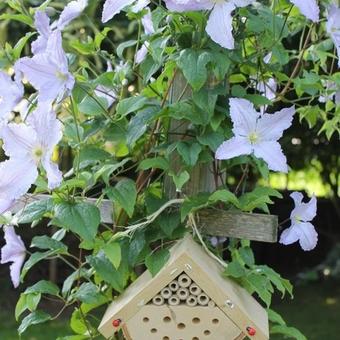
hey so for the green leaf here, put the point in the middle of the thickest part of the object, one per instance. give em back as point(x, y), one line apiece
point(288, 331)
point(247, 256)
point(235, 269)
point(34, 318)
point(169, 222)
point(45, 242)
point(34, 259)
point(43, 287)
point(88, 293)
point(156, 163)
point(21, 306)
point(189, 152)
point(19, 46)
point(224, 196)
point(77, 322)
point(129, 105)
point(81, 218)
point(194, 203)
point(32, 301)
point(275, 317)
point(124, 194)
point(105, 269)
point(113, 253)
point(193, 65)
point(34, 211)
point(180, 179)
point(156, 261)
point(261, 285)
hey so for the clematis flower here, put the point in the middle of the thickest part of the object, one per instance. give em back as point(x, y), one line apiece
point(219, 26)
point(113, 7)
point(301, 229)
point(256, 134)
point(148, 29)
point(48, 72)
point(333, 27)
point(45, 29)
point(268, 88)
point(27, 147)
point(11, 92)
point(15, 252)
point(217, 240)
point(309, 8)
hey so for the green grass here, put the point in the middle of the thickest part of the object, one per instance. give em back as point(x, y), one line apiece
point(315, 311)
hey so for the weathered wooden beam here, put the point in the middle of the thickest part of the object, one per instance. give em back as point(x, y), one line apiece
point(256, 227)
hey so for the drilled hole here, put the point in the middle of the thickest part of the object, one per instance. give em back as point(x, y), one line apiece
point(207, 332)
point(167, 319)
point(166, 338)
point(181, 326)
point(215, 321)
point(153, 330)
point(196, 320)
point(146, 319)
point(195, 338)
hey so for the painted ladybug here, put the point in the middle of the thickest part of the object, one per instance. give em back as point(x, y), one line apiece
point(116, 323)
point(251, 331)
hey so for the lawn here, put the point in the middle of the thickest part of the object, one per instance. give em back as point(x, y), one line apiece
point(315, 311)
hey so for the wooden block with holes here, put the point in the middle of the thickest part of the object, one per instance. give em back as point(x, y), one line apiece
point(187, 300)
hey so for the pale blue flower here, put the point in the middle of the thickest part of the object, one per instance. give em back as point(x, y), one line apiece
point(11, 92)
point(48, 72)
point(220, 22)
point(28, 146)
point(333, 27)
point(256, 134)
point(309, 8)
point(301, 229)
point(13, 252)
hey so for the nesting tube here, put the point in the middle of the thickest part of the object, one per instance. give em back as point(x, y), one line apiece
point(174, 300)
point(195, 289)
point(183, 293)
point(173, 286)
point(203, 299)
point(166, 293)
point(211, 304)
point(184, 281)
point(191, 301)
point(158, 300)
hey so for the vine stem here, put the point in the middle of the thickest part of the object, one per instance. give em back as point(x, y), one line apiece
point(193, 225)
point(297, 66)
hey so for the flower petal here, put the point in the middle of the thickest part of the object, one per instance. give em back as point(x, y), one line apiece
point(15, 269)
point(42, 24)
point(11, 92)
point(303, 211)
point(142, 53)
point(70, 12)
point(309, 8)
point(289, 235)
point(16, 177)
point(113, 7)
point(271, 126)
point(271, 153)
point(54, 175)
point(18, 140)
point(308, 236)
point(188, 5)
point(236, 146)
point(140, 4)
point(333, 27)
point(6, 204)
point(147, 23)
point(220, 24)
point(243, 115)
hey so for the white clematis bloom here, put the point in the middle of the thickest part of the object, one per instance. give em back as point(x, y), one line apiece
point(15, 252)
point(333, 27)
point(220, 22)
point(42, 23)
point(256, 134)
point(11, 92)
point(113, 7)
point(48, 71)
point(28, 147)
point(309, 8)
point(301, 229)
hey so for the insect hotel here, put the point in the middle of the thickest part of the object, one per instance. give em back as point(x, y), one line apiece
point(187, 300)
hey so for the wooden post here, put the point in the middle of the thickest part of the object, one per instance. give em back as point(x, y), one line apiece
point(201, 176)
